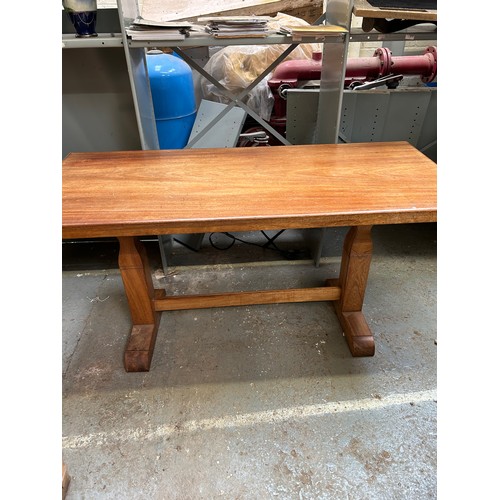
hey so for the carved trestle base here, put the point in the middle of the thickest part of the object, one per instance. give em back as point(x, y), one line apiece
point(146, 304)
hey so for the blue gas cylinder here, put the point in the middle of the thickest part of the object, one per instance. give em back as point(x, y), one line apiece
point(172, 89)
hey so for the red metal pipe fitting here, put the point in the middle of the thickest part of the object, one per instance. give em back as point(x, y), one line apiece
point(382, 63)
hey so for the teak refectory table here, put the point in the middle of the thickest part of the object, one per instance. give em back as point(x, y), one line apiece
point(129, 194)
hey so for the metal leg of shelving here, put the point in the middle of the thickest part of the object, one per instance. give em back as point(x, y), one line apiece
point(337, 12)
point(128, 10)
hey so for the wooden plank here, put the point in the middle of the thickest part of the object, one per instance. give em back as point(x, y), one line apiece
point(135, 193)
point(362, 8)
point(163, 10)
point(307, 10)
point(308, 14)
point(178, 302)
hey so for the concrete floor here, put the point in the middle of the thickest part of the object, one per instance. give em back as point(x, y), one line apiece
point(254, 402)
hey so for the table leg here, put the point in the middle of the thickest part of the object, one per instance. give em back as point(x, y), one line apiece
point(354, 268)
point(137, 280)
point(65, 481)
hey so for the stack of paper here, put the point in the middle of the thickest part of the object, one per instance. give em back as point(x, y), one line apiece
point(236, 26)
point(144, 29)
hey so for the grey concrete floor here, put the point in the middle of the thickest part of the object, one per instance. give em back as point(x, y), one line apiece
point(254, 402)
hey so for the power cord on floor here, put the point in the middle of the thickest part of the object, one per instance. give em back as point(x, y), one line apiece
point(287, 254)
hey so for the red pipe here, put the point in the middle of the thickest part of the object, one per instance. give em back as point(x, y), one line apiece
point(382, 63)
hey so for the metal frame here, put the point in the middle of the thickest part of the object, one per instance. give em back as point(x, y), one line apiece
point(238, 99)
point(407, 35)
point(338, 12)
point(136, 58)
point(403, 114)
point(128, 10)
point(108, 40)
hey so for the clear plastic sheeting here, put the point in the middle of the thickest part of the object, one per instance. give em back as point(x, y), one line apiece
point(236, 67)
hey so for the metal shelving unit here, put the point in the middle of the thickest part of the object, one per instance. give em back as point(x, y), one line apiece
point(97, 105)
point(337, 12)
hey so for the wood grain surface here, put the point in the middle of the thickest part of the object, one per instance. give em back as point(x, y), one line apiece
point(134, 193)
point(170, 10)
point(362, 8)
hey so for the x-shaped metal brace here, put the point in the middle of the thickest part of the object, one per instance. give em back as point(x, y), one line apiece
point(236, 100)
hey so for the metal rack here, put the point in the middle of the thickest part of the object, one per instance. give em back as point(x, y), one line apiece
point(337, 12)
point(97, 106)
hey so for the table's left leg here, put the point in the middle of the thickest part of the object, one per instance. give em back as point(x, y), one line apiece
point(137, 280)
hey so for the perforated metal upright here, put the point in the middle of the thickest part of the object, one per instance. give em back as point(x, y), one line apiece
point(337, 12)
point(128, 10)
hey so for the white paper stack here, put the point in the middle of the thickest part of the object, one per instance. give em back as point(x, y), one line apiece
point(144, 29)
point(236, 26)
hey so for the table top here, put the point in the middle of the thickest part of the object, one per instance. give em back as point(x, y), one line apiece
point(137, 193)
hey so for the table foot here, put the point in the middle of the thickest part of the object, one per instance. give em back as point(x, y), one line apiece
point(140, 347)
point(355, 328)
point(137, 280)
point(357, 333)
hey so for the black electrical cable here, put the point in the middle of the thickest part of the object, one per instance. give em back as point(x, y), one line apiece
point(287, 254)
point(234, 239)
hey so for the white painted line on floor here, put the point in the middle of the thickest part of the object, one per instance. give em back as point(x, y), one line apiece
point(248, 419)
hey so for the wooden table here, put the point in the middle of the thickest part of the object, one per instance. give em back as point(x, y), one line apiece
point(129, 194)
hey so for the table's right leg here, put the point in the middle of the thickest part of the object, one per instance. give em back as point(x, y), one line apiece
point(354, 268)
point(137, 280)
